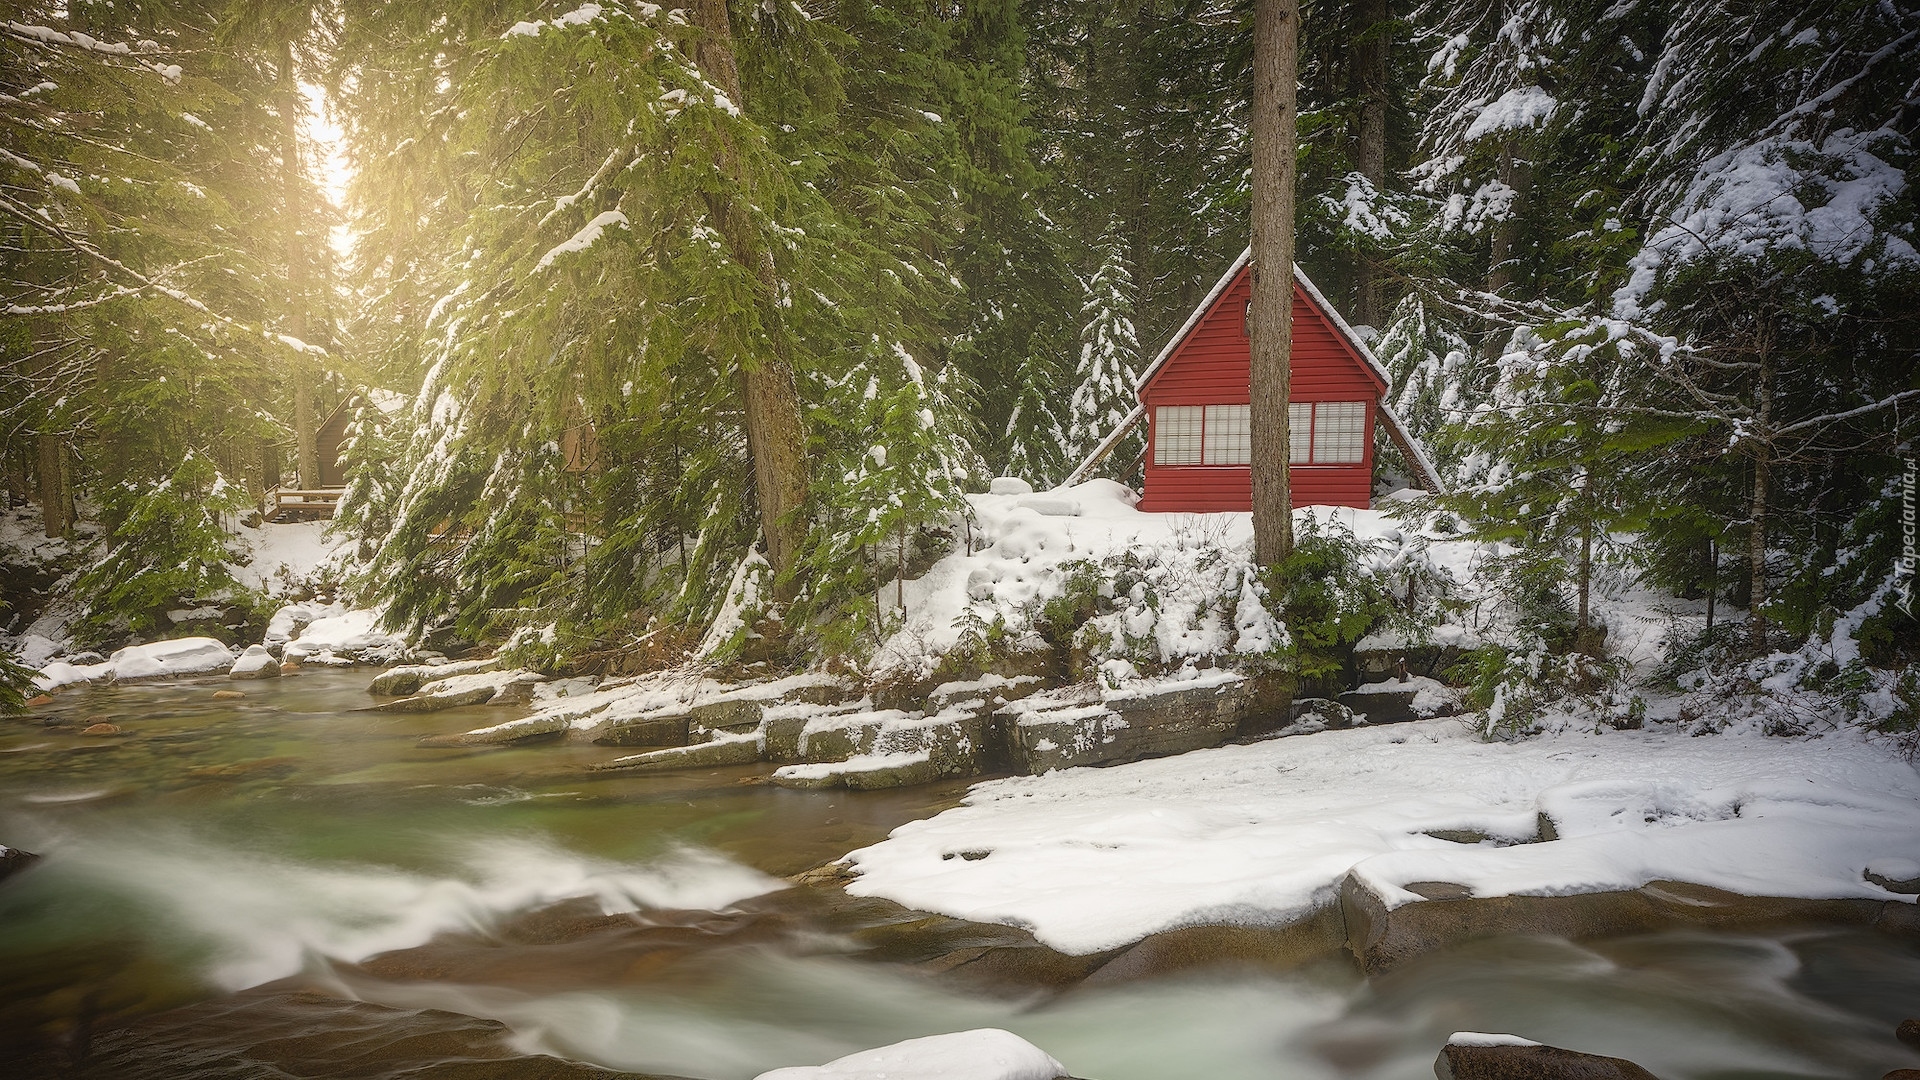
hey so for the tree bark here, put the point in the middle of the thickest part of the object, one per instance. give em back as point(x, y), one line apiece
point(54, 494)
point(1370, 142)
point(1276, 61)
point(776, 432)
point(305, 438)
point(1583, 621)
point(1757, 503)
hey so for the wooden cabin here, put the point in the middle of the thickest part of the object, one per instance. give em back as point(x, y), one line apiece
point(1194, 400)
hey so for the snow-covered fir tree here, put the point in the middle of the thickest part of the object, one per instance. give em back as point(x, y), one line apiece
point(1109, 363)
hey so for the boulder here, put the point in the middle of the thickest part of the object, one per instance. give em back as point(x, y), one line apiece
point(868, 773)
point(477, 688)
point(228, 695)
point(726, 750)
point(1381, 935)
point(452, 699)
point(1469, 1056)
point(1895, 875)
point(1394, 701)
point(1908, 1032)
point(13, 860)
point(1308, 715)
point(727, 714)
point(654, 729)
point(102, 728)
point(1081, 726)
point(530, 727)
point(255, 663)
point(400, 681)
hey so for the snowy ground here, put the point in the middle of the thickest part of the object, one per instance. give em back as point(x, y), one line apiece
point(1092, 859)
point(1021, 547)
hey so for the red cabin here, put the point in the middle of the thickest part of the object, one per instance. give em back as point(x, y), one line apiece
point(1194, 398)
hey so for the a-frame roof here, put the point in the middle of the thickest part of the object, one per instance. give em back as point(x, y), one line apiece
point(1396, 430)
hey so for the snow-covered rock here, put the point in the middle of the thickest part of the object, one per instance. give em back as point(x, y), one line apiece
point(350, 637)
point(409, 678)
point(980, 1054)
point(136, 663)
point(255, 663)
point(476, 688)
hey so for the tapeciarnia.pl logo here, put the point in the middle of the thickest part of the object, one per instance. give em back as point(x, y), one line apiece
point(1905, 567)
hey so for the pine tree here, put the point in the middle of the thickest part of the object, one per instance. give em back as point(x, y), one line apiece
point(1109, 363)
point(598, 283)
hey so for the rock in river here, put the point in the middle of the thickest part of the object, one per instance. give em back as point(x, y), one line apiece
point(1471, 1055)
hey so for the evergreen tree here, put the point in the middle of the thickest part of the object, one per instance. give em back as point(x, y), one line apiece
point(1109, 364)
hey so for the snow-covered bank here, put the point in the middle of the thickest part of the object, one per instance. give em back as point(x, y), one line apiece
point(1173, 585)
point(1092, 859)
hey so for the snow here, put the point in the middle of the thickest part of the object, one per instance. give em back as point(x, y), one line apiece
point(980, 1054)
point(1519, 109)
point(857, 763)
point(1027, 547)
point(1092, 859)
point(342, 638)
point(282, 556)
point(156, 660)
point(584, 239)
point(1487, 1038)
point(579, 16)
point(1430, 696)
point(1780, 194)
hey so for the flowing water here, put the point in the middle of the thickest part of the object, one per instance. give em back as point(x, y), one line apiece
point(287, 886)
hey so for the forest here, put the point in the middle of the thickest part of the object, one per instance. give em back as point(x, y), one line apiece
point(624, 304)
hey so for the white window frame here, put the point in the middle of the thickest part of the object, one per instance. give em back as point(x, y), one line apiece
point(1310, 427)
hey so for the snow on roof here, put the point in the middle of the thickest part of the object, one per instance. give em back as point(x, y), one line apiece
point(1396, 429)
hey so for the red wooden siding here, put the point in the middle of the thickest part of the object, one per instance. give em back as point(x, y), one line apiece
point(1210, 367)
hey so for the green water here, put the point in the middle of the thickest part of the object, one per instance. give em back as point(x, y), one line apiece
point(287, 885)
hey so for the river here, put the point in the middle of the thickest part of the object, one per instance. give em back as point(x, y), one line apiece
point(284, 885)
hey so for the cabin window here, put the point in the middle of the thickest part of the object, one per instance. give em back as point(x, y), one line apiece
point(1339, 432)
point(1228, 438)
point(1320, 433)
point(1176, 434)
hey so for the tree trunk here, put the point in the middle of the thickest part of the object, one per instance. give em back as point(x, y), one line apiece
point(1757, 552)
point(1276, 61)
point(305, 439)
point(1713, 578)
point(53, 485)
point(1370, 142)
point(1506, 231)
point(1583, 621)
point(776, 434)
point(1757, 504)
point(16, 476)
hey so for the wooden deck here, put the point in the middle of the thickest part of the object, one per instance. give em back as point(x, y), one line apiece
point(302, 504)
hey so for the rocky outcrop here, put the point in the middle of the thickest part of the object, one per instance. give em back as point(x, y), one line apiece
point(408, 679)
point(1381, 935)
point(1395, 701)
point(1468, 1056)
point(1085, 725)
point(452, 693)
point(13, 860)
point(513, 731)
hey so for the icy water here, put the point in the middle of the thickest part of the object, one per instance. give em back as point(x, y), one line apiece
point(286, 886)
